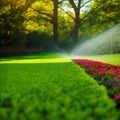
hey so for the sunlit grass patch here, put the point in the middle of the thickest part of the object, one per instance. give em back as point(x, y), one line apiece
point(56, 57)
point(54, 60)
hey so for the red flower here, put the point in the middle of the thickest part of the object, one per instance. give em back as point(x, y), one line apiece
point(102, 71)
point(117, 97)
point(106, 74)
point(118, 70)
point(117, 77)
point(112, 71)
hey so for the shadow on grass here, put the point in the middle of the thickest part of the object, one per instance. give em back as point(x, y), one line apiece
point(44, 55)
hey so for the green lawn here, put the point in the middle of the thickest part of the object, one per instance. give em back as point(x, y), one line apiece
point(51, 91)
point(52, 57)
point(52, 60)
point(44, 55)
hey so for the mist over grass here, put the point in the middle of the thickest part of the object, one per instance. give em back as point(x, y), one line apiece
point(104, 43)
point(106, 58)
point(52, 57)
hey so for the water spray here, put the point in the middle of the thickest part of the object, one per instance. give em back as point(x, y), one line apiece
point(98, 43)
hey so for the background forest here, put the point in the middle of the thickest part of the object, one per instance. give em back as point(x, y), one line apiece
point(45, 25)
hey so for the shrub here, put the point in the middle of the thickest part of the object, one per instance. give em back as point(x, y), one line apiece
point(42, 41)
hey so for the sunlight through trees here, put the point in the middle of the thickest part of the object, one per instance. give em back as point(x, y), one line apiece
point(66, 22)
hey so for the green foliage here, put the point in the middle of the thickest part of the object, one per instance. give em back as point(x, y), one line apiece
point(65, 31)
point(11, 23)
point(113, 46)
point(42, 41)
point(110, 45)
point(53, 92)
point(103, 15)
point(18, 17)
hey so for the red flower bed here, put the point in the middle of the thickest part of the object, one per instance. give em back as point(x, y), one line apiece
point(106, 74)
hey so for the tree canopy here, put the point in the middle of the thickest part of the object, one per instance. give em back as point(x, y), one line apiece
point(60, 22)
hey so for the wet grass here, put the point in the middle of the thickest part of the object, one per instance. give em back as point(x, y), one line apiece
point(108, 58)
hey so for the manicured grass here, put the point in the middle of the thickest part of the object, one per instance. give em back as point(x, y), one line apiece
point(52, 60)
point(56, 56)
point(55, 90)
point(42, 55)
point(45, 57)
point(59, 91)
point(109, 58)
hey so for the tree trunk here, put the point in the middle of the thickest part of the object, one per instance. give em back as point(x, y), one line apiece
point(76, 20)
point(55, 21)
point(76, 28)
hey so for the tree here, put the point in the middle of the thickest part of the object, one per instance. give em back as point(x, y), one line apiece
point(77, 6)
point(49, 15)
point(76, 19)
point(102, 15)
point(12, 22)
point(55, 20)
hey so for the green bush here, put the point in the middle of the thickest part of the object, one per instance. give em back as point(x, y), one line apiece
point(59, 91)
point(42, 41)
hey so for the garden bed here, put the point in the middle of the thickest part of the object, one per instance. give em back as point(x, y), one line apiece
point(106, 74)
